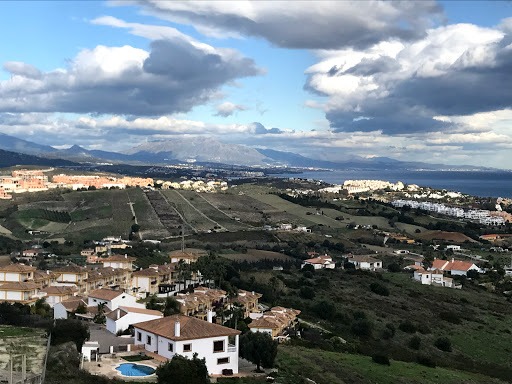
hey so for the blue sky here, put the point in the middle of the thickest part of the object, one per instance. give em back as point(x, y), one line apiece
point(419, 81)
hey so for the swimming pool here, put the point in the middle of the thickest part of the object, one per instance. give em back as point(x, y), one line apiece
point(130, 369)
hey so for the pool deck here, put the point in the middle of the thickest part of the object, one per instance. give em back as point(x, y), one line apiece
point(106, 367)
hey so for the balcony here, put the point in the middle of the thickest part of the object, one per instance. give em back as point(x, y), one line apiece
point(231, 348)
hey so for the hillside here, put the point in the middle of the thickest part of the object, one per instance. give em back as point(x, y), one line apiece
point(9, 159)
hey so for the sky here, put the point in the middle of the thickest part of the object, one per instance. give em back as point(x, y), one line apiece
point(414, 81)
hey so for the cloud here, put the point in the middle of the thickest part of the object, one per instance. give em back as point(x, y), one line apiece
point(259, 129)
point(228, 108)
point(173, 76)
point(399, 87)
point(310, 25)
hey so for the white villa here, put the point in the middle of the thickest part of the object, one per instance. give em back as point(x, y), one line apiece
point(320, 262)
point(434, 277)
point(184, 335)
point(365, 262)
point(455, 267)
point(121, 318)
point(112, 299)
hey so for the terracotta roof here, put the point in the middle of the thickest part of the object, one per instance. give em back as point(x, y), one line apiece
point(447, 265)
point(59, 290)
point(320, 260)
point(142, 310)
point(71, 269)
point(42, 275)
point(460, 265)
point(364, 259)
point(190, 328)
point(73, 302)
point(105, 294)
point(156, 270)
point(17, 268)
point(123, 258)
point(415, 267)
point(19, 286)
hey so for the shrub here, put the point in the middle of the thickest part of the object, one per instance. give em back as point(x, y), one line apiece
point(308, 274)
point(308, 268)
point(407, 326)
point(426, 361)
point(362, 328)
point(306, 293)
point(325, 309)
point(389, 331)
point(414, 342)
point(443, 344)
point(379, 289)
point(394, 267)
point(381, 359)
point(450, 317)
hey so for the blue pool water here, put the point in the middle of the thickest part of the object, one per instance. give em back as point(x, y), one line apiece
point(131, 369)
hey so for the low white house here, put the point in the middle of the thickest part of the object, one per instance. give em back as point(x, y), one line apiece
point(112, 299)
point(453, 247)
point(185, 335)
point(320, 262)
point(434, 277)
point(365, 262)
point(121, 318)
point(455, 267)
point(63, 309)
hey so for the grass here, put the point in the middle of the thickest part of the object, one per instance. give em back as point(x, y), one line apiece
point(193, 216)
point(17, 332)
point(255, 255)
point(296, 363)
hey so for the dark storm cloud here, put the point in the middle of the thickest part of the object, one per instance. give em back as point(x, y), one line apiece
point(174, 77)
point(304, 25)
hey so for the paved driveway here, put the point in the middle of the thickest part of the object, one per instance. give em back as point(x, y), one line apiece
point(106, 339)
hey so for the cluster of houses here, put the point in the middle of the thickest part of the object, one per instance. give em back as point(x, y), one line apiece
point(196, 185)
point(364, 262)
point(26, 180)
point(482, 216)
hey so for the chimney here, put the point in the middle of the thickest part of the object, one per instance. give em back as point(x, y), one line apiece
point(177, 329)
point(210, 316)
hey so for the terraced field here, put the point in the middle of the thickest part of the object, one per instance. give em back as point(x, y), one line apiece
point(150, 224)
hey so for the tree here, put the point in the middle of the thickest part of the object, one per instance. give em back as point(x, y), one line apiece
point(41, 307)
point(100, 318)
point(171, 306)
point(258, 348)
point(69, 330)
point(183, 370)
point(444, 344)
point(428, 259)
point(135, 227)
point(154, 303)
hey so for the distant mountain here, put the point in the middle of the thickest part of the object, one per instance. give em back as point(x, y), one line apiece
point(9, 159)
point(201, 149)
point(11, 143)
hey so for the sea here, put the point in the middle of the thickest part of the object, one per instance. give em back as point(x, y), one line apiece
point(476, 183)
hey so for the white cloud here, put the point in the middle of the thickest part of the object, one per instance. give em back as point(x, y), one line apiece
point(228, 108)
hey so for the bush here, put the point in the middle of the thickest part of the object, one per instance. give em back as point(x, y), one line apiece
point(362, 328)
point(407, 326)
point(325, 309)
point(308, 268)
point(394, 267)
point(308, 274)
point(183, 370)
point(426, 361)
point(381, 359)
point(450, 317)
point(379, 289)
point(389, 331)
point(443, 344)
point(415, 343)
point(306, 293)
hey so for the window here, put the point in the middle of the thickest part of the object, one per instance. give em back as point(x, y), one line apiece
point(169, 347)
point(187, 347)
point(139, 336)
point(223, 360)
point(148, 340)
point(218, 346)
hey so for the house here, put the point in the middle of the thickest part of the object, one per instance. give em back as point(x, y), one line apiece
point(365, 262)
point(57, 294)
point(201, 301)
point(87, 252)
point(148, 280)
point(249, 301)
point(121, 318)
point(187, 257)
point(275, 322)
point(73, 274)
point(112, 299)
point(31, 253)
point(16, 272)
point(108, 277)
point(320, 262)
point(184, 335)
point(119, 261)
point(453, 247)
point(455, 267)
point(44, 278)
point(64, 309)
point(433, 277)
point(19, 292)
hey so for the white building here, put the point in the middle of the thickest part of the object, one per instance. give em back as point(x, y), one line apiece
point(184, 335)
point(57, 294)
point(121, 318)
point(434, 277)
point(112, 299)
point(365, 262)
point(320, 262)
point(455, 267)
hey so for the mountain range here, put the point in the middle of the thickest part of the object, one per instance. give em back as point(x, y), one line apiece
point(205, 150)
